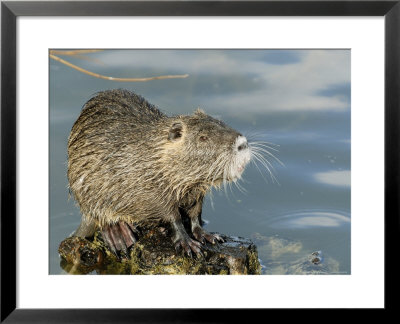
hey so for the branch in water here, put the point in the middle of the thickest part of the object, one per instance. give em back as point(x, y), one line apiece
point(100, 76)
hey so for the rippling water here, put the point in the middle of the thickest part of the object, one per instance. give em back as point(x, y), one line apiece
point(296, 99)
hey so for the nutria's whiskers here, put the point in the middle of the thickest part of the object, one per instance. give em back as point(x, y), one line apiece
point(259, 151)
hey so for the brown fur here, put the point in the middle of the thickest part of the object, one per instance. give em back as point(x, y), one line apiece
point(127, 161)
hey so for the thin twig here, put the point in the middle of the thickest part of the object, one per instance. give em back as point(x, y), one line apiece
point(75, 52)
point(100, 76)
point(79, 54)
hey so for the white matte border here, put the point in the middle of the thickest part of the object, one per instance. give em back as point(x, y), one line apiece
point(363, 288)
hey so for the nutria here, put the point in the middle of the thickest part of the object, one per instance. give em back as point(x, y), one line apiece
point(131, 164)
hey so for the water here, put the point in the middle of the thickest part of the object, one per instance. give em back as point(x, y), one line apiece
point(297, 99)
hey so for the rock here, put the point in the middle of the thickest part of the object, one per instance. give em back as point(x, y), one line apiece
point(80, 255)
point(154, 253)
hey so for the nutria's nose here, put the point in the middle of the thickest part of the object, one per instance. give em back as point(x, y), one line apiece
point(242, 146)
point(241, 143)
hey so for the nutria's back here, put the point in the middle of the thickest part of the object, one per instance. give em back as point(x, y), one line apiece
point(110, 108)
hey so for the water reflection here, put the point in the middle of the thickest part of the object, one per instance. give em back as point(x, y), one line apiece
point(334, 178)
point(307, 219)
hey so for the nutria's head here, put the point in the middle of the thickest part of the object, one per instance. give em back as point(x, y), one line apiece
point(206, 150)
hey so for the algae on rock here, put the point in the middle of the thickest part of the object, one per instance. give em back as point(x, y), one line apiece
point(154, 253)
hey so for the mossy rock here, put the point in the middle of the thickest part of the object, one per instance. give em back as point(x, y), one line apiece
point(154, 253)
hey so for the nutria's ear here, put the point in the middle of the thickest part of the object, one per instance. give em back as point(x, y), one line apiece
point(175, 132)
point(199, 112)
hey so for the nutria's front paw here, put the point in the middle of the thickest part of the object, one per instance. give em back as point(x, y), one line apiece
point(119, 237)
point(188, 245)
point(201, 235)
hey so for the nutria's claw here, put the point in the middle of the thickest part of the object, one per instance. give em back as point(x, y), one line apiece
point(178, 248)
point(200, 239)
point(200, 255)
point(187, 245)
point(201, 235)
point(133, 228)
point(218, 238)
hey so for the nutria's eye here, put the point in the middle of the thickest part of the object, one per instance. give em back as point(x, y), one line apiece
point(203, 138)
point(175, 132)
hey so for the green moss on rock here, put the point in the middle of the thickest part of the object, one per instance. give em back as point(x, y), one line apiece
point(154, 253)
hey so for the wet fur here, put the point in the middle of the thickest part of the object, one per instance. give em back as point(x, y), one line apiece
point(127, 161)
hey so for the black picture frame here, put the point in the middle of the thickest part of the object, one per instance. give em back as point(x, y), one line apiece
point(11, 10)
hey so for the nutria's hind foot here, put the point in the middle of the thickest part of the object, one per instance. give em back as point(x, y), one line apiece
point(119, 238)
point(202, 236)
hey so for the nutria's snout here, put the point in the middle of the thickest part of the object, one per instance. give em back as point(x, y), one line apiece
point(241, 143)
point(242, 157)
